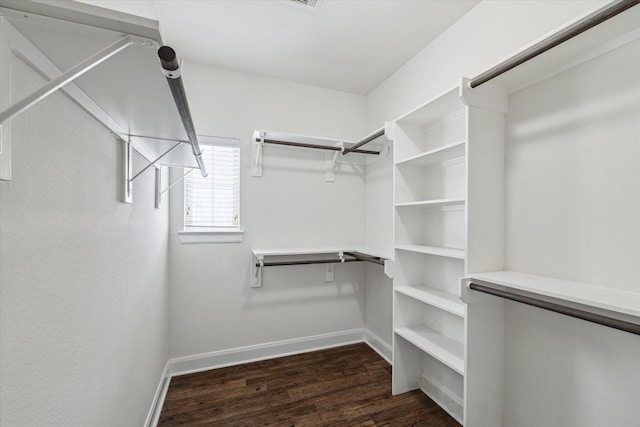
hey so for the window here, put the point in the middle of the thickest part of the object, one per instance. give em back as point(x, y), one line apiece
point(212, 203)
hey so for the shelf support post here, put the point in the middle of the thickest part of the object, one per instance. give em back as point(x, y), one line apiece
point(127, 169)
point(65, 78)
point(330, 160)
point(257, 270)
point(258, 142)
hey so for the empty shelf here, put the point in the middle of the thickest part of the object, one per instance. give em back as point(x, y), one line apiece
point(438, 298)
point(447, 152)
point(434, 250)
point(432, 203)
point(445, 349)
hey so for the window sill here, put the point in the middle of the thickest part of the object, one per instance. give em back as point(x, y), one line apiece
point(207, 236)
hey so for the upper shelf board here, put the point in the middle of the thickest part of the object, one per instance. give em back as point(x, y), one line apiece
point(261, 253)
point(614, 300)
point(316, 140)
point(129, 88)
point(433, 110)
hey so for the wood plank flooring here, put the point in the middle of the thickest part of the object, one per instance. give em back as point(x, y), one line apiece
point(343, 386)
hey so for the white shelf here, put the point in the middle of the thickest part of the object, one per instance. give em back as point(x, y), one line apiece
point(434, 250)
point(438, 298)
point(431, 203)
point(316, 251)
point(442, 348)
point(446, 152)
point(614, 300)
point(433, 110)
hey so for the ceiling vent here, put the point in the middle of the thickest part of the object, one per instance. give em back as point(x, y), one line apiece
point(306, 3)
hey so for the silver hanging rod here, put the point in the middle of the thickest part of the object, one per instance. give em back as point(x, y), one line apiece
point(364, 257)
point(557, 308)
point(364, 141)
point(589, 21)
point(315, 146)
point(66, 77)
point(155, 161)
point(173, 73)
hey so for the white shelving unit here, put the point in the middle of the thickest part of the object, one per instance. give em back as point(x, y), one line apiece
point(487, 231)
point(441, 149)
point(429, 189)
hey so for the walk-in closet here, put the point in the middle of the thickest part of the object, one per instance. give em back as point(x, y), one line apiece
point(320, 213)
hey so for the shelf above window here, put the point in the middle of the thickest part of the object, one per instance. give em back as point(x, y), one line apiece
point(438, 298)
point(446, 350)
point(441, 154)
point(434, 250)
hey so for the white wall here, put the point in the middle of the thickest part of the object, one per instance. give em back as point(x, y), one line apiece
point(291, 205)
point(83, 277)
point(491, 32)
point(573, 212)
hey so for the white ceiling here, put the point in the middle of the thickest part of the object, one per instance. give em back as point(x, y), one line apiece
point(347, 45)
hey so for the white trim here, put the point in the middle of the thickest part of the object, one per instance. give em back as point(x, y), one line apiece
point(444, 397)
point(158, 399)
point(254, 353)
point(379, 346)
point(229, 236)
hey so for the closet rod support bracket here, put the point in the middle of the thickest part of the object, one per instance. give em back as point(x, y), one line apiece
point(66, 78)
point(258, 142)
point(127, 171)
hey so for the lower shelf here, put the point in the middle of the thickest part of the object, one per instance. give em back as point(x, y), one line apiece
point(446, 350)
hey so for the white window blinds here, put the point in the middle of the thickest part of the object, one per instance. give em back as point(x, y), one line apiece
point(213, 201)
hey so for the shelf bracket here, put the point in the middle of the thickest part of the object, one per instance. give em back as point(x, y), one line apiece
point(257, 270)
point(5, 101)
point(330, 159)
point(330, 273)
point(258, 142)
point(156, 161)
point(127, 170)
point(160, 192)
point(65, 78)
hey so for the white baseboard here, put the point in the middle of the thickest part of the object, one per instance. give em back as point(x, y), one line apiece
point(254, 353)
point(158, 398)
point(444, 397)
point(379, 345)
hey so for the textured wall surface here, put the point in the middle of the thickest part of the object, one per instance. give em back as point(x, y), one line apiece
point(83, 279)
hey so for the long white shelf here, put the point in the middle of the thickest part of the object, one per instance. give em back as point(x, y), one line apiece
point(431, 203)
point(614, 300)
point(438, 298)
point(259, 253)
point(446, 152)
point(446, 350)
point(434, 250)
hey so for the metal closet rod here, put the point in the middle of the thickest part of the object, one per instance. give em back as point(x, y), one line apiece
point(562, 36)
point(364, 141)
point(173, 73)
point(557, 308)
point(357, 258)
point(316, 146)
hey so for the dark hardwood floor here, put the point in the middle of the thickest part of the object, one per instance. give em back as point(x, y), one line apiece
point(343, 386)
